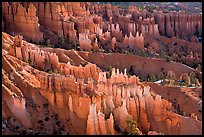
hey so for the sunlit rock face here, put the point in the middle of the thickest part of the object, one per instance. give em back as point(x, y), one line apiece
point(84, 94)
point(89, 89)
point(40, 21)
point(181, 25)
point(19, 20)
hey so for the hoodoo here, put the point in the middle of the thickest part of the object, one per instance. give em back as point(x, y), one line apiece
point(94, 68)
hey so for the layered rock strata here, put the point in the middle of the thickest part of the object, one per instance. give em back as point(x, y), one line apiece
point(95, 101)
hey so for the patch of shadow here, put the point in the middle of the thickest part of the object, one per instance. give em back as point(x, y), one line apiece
point(45, 105)
point(40, 121)
point(89, 92)
point(46, 119)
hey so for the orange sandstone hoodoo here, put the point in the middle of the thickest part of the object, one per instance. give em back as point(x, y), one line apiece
point(85, 103)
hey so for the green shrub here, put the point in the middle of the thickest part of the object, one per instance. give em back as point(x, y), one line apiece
point(132, 127)
point(109, 73)
point(193, 78)
point(50, 71)
point(30, 62)
point(199, 67)
point(84, 64)
point(151, 77)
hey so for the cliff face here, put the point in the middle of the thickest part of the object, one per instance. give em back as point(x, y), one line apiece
point(141, 64)
point(79, 94)
point(187, 102)
point(173, 24)
point(132, 41)
point(180, 25)
point(50, 17)
point(84, 23)
point(19, 20)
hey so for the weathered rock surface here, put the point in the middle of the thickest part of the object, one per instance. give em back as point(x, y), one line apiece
point(22, 21)
point(57, 91)
point(180, 24)
point(119, 97)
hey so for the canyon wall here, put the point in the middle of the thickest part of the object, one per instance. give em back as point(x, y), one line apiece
point(181, 24)
point(50, 22)
point(19, 20)
point(93, 100)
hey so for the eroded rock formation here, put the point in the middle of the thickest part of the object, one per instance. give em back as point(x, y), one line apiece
point(19, 20)
point(81, 95)
point(42, 21)
point(180, 24)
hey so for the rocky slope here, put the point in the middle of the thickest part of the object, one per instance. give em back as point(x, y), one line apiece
point(45, 92)
point(186, 100)
point(50, 20)
point(106, 28)
point(94, 89)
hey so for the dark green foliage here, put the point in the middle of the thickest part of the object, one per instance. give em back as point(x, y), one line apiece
point(58, 72)
point(144, 54)
point(168, 59)
point(199, 67)
point(64, 43)
point(30, 62)
point(196, 33)
point(161, 75)
point(84, 64)
point(151, 77)
point(150, 8)
point(193, 78)
point(132, 126)
point(61, 43)
point(51, 71)
point(140, 7)
point(48, 44)
point(131, 71)
point(185, 83)
point(109, 73)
